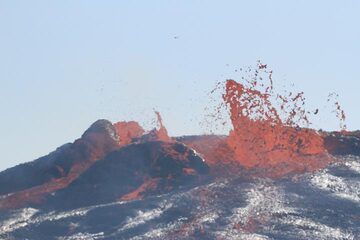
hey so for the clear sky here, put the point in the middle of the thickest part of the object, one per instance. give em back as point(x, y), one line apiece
point(65, 64)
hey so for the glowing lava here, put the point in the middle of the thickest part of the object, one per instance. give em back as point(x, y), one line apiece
point(162, 133)
point(159, 133)
point(265, 134)
point(127, 131)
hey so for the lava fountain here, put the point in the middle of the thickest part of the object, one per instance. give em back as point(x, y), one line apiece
point(267, 127)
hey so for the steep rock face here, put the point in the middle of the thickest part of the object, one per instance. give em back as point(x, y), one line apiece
point(133, 172)
point(30, 182)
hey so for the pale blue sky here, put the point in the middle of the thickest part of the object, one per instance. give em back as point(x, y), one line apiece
point(64, 64)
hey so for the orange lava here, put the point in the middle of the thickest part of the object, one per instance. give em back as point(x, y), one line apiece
point(264, 135)
point(162, 133)
point(157, 134)
point(127, 131)
point(340, 113)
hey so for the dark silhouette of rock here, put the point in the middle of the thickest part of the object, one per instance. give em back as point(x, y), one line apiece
point(134, 172)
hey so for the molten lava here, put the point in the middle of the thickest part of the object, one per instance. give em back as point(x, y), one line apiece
point(264, 135)
point(157, 134)
point(127, 131)
point(162, 133)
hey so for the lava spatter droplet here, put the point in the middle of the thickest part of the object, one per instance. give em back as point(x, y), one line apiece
point(340, 113)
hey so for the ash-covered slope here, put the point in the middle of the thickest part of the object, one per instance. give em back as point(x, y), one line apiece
point(133, 172)
point(322, 206)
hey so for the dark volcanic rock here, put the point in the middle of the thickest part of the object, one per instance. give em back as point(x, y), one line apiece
point(338, 143)
point(34, 173)
point(31, 181)
point(133, 172)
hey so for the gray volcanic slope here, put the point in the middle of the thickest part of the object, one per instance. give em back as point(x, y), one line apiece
point(321, 205)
